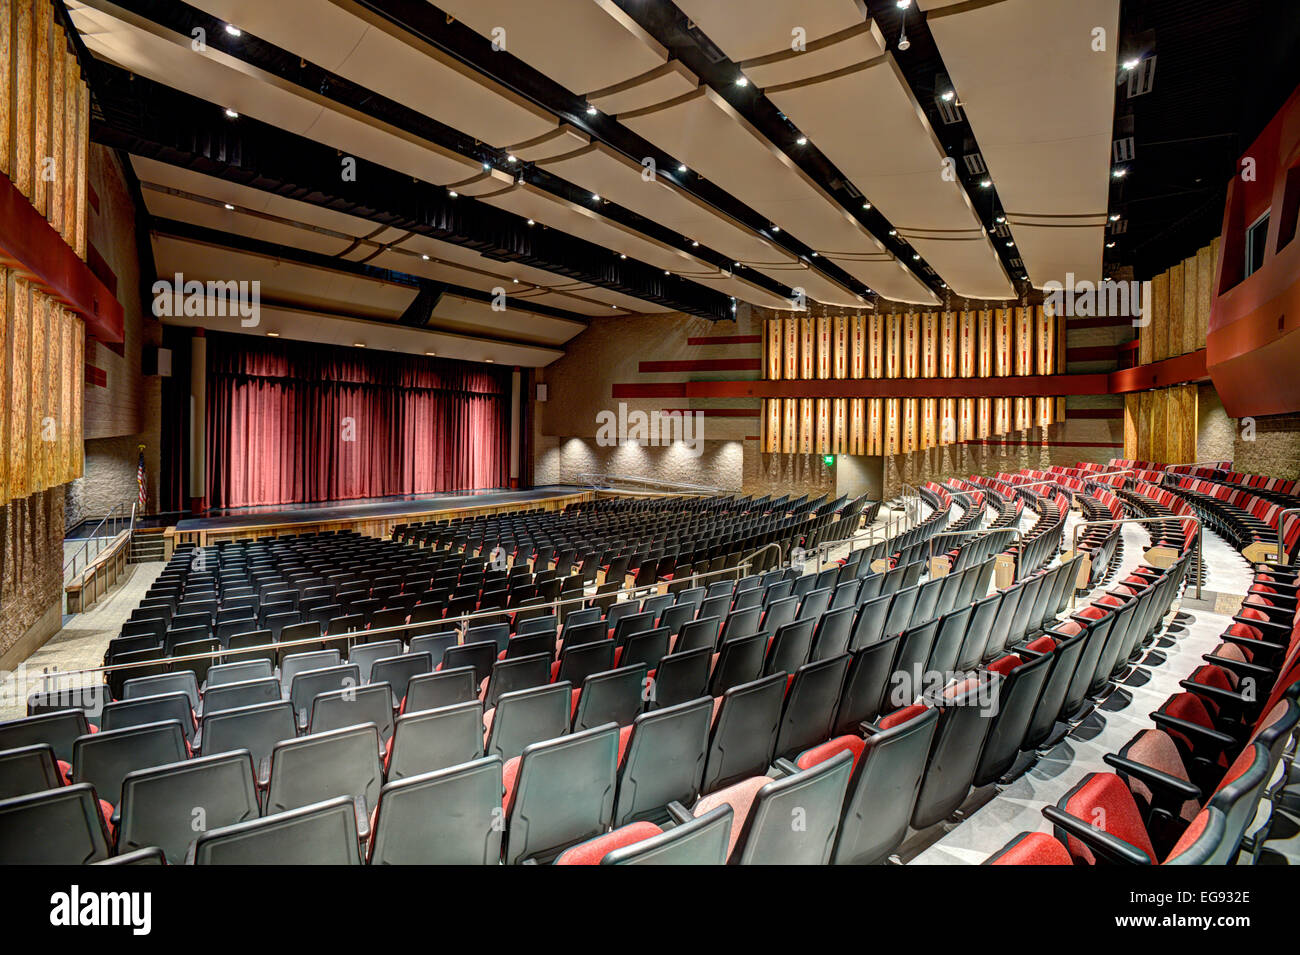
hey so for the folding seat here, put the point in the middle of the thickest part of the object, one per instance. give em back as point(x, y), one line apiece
point(428, 691)
point(1096, 633)
point(744, 731)
point(253, 638)
point(119, 645)
point(518, 673)
point(1064, 653)
point(192, 621)
point(715, 606)
point(814, 604)
point(62, 826)
point(430, 740)
point(398, 671)
point(803, 584)
point(324, 833)
point(337, 623)
point(740, 623)
point(790, 648)
point(1213, 837)
point(445, 817)
point(614, 696)
point(698, 634)
point(342, 762)
point(159, 804)
point(949, 640)
point(89, 698)
point(559, 793)
point(577, 662)
point(910, 673)
point(436, 644)
point(1000, 632)
point(630, 624)
point(364, 655)
point(661, 760)
point(761, 830)
point(29, 769)
point(846, 594)
point(1111, 661)
point(810, 705)
point(256, 728)
point(277, 621)
point(927, 597)
point(888, 765)
point(965, 719)
point(680, 676)
point(245, 693)
point(103, 759)
point(978, 629)
point(1019, 688)
point(295, 632)
point(150, 709)
point(1031, 848)
point(180, 682)
point(237, 672)
point(336, 709)
point(740, 660)
point(498, 633)
point(871, 585)
point(747, 600)
point(900, 610)
point(834, 629)
point(307, 684)
point(145, 628)
point(691, 841)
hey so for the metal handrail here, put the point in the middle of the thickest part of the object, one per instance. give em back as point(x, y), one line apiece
point(1281, 554)
point(94, 536)
point(1200, 553)
point(600, 481)
point(398, 629)
point(1090, 477)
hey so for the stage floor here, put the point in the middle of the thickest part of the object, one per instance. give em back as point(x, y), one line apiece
point(369, 507)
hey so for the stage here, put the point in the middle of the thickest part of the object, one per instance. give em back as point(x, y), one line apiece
point(374, 517)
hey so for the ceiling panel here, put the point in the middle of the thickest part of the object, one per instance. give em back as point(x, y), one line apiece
point(769, 27)
point(890, 153)
point(548, 35)
point(347, 38)
point(152, 51)
point(702, 130)
point(1043, 118)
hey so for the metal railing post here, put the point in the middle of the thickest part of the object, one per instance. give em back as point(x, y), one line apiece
point(1200, 553)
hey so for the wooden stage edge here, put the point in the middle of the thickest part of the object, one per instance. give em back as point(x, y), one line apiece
point(374, 525)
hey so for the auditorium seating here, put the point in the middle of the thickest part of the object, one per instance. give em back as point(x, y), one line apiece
point(651, 718)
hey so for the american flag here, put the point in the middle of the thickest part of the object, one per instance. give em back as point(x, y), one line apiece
point(141, 480)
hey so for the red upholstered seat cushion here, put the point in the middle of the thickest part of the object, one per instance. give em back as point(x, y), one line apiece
point(106, 810)
point(509, 773)
point(740, 797)
point(1005, 665)
point(65, 771)
point(1104, 801)
point(824, 751)
point(899, 717)
point(1070, 627)
point(1042, 645)
point(1092, 613)
point(573, 708)
point(1036, 848)
point(593, 850)
point(1189, 836)
point(624, 737)
point(1246, 631)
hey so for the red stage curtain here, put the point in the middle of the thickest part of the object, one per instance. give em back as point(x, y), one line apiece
point(292, 423)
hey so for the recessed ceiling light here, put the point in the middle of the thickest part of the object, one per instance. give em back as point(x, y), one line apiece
point(741, 81)
point(453, 193)
point(1119, 173)
point(358, 344)
point(893, 232)
point(1114, 217)
point(866, 205)
point(1131, 64)
point(916, 256)
point(489, 360)
point(531, 222)
point(591, 111)
point(516, 281)
point(1000, 219)
point(948, 96)
point(431, 353)
point(737, 265)
point(622, 255)
point(776, 228)
point(511, 159)
point(425, 257)
point(230, 207)
point(1010, 243)
point(1110, 245)
point(233, 30)
point(681, 167)
point(595, 197)
point(231, 114)
point(986, 183)
point(272, 334)
point(903, 4)
point(666, 272)
point(801, 141)
point(695, 243)
point(814, 255)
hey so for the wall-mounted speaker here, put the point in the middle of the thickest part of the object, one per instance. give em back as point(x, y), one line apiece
point(158, 361)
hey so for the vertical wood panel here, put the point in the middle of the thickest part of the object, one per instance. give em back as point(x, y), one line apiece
point(6, 72)
point(1173, 341)
point(1191, 304)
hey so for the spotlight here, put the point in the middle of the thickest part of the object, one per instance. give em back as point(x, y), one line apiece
point(230, 207)
point(986, 183)
point(487, 166)
point(1119, 173)
point(741, 81)
point(866, 205)
point(511, 159)
point(1131, 64)
point(272, 334)
point(1000, 219)
point(893, 232)
point(1010, 243)
point(904, 44)
point(815, 254)
point(903, 4)
point(231, 114)
point(233, 30)
point(358, 344)
point(425, 257)
point(595, 197)
point(776, 228)
point(1110, 245)
point(622, 255)
point(948, 96)
point(695, 243)
point(1114, 217)
point(431, 354)
point(531, 222)
point(681, 168)
point(591, 111)
point(453, 193)
point(916, 256)
point(490, 360)
point(801, 141)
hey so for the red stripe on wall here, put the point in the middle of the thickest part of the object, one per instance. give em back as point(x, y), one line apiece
point(96, 376)
point(667, 389)
point(701, 364)
point(725, 340)
point(718, 412)
point(1092, 353)
point(1094, 412)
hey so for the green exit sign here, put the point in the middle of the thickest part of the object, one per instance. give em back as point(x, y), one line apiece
point(828, 460)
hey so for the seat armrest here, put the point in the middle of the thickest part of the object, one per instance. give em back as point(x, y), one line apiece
point(785, 767)
point(1154, 778)
point(1263, 676)
point(1228, 698)
point(678, 813)
point(1102, 843)
point(1213, 738)
point(264, 772)
point(363, 817)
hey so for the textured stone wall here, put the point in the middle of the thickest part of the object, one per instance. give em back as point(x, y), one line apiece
point(31, 573)
point(1264, 445)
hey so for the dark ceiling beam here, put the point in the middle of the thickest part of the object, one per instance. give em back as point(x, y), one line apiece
point(424, 21)
point(317, 260)
point(155, 121)
point(182, 19)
